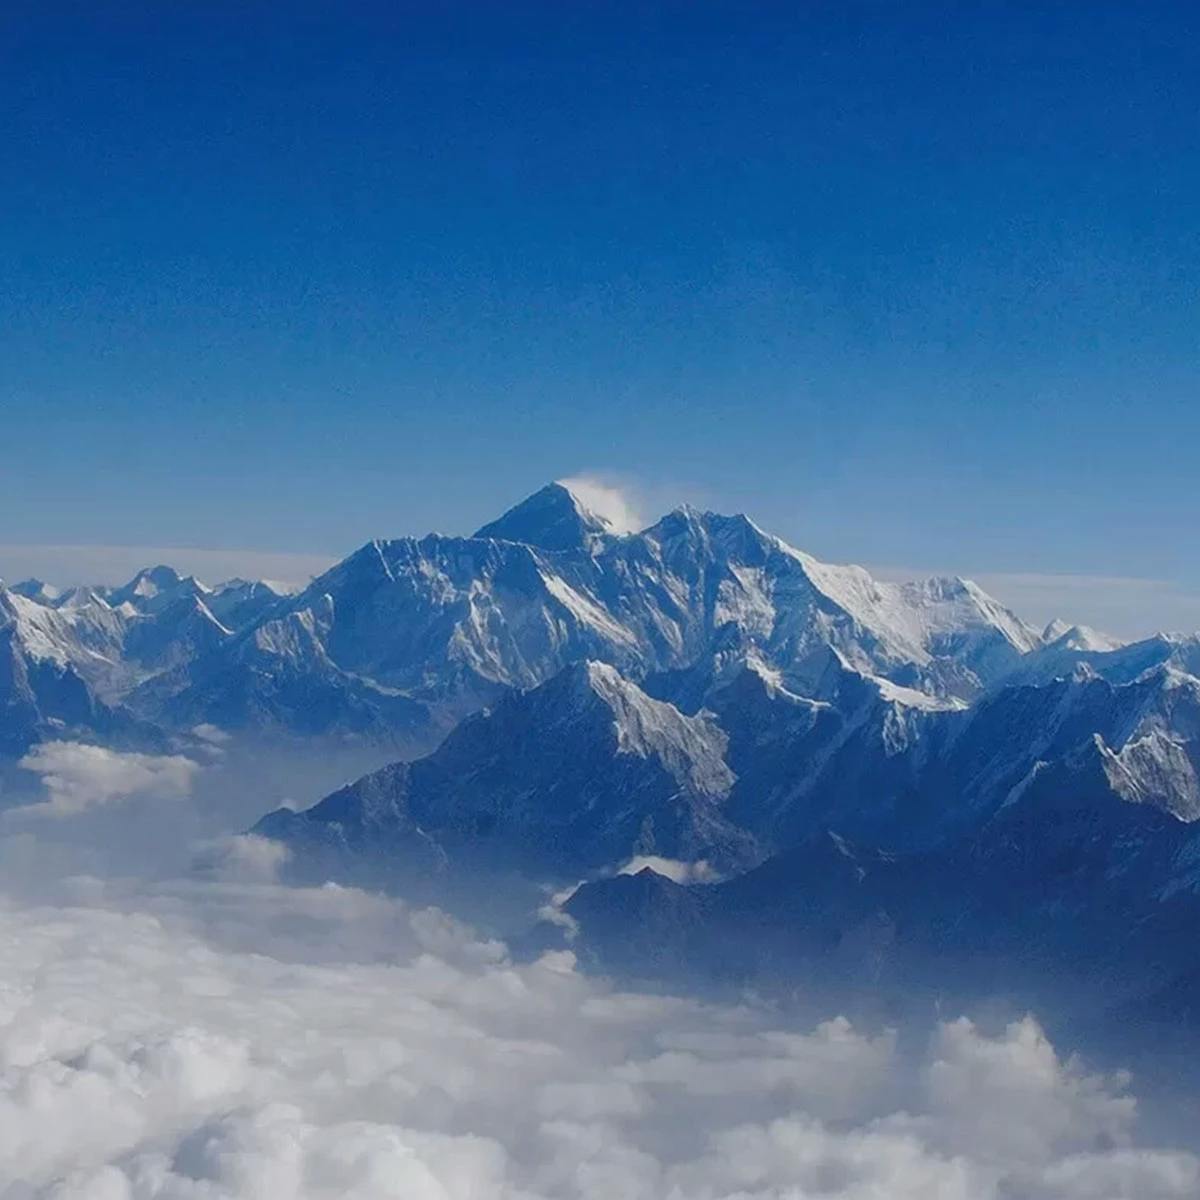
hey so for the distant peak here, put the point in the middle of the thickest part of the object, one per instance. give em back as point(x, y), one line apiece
point(161, 575)
point(553, 518)
point(1056, 629)
point(82, 597)
point(250, 586)
point(1077, 637)
point(152, 587)
point(36, 589)
point(149, 581)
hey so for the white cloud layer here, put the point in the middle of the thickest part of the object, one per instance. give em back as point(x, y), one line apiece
point(248, 1042)
point(222, 1037)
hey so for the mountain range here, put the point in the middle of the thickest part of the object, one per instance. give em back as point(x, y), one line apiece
point(403, 638)
point(863, 773)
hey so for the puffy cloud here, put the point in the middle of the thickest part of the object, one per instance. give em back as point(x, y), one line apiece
point(211, 1040)
point(1051, 1106)
point(244, 856)
point(221, 1037)
point(77, 777)
point(798, 1156)
point(147, 815)
point(1114, 1176)
point(211, 733)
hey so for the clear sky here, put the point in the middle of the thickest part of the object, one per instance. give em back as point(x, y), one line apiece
point(914, 285)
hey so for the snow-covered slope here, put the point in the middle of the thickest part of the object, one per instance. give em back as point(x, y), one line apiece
point(1057, 862)
point(99, 644)
point(546, 776)
point(1077, 648)
point(51, 665)
point(37, 589)
point(82, 632)
point(1078, 637)
point(893, 774)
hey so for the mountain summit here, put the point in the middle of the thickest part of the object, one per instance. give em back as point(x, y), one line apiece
point(583, 771)
point(553, 518)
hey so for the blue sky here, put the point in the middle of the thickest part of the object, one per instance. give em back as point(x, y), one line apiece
point(915, 286)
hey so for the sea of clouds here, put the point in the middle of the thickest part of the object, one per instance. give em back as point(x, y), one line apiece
point(217, 1036)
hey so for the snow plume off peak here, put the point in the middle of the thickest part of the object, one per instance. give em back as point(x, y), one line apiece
point(234, 1041)
point(609, 501)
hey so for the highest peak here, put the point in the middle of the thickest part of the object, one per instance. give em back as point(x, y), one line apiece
point(553, 518)
point(572, 515)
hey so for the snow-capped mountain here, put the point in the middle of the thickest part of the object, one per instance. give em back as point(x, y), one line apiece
point(53, 667)
point(1068, 897)
point(1047, 831)
point(553, 518)
point(856, 685)
point(579, 772)
point(876, 767)
point(1113, 660)
point(78, 654)
point(450, 624)
point(403, 638)
point(1044, 845)
point(565, 697)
